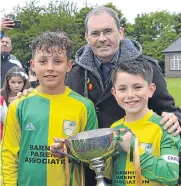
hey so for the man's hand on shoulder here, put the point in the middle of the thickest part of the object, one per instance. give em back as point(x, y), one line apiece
point(25, 92)
point(171, 123)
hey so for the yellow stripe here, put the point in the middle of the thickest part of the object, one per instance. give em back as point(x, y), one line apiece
point(63, 110)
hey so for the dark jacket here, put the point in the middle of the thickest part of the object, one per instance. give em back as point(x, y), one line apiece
point(84, 73)
point(5, 66)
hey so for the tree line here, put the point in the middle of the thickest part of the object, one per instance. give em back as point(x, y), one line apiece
point(155, 31)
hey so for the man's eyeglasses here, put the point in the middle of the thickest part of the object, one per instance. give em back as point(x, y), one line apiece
point(106, 32)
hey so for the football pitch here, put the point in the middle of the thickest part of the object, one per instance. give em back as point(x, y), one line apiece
point(174, 88)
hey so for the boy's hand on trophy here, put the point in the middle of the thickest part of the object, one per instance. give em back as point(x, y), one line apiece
point(125, 144)
point(57, 147)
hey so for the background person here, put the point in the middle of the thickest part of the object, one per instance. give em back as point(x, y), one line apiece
point(7, 62)
point(16, 81)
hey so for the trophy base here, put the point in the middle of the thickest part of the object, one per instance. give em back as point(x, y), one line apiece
point(97, 165)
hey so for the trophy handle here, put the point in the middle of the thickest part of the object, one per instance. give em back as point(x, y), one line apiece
point(134, 151)
point(65, 154)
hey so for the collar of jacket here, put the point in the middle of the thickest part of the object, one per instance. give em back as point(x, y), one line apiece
point(5, 55)
point(129, 49)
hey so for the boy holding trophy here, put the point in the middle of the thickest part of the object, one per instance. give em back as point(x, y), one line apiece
point(52, 109)
point(132, 88)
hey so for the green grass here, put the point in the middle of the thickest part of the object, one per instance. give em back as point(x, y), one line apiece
point(174, 88)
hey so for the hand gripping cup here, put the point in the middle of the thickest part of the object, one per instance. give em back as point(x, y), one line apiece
point(94, 147)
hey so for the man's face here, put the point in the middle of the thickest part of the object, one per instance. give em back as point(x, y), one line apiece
point(103, 36)
point(51, 68)
point(132, 93)
point(6, 44)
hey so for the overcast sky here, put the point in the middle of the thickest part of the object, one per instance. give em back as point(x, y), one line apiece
point(130, 8)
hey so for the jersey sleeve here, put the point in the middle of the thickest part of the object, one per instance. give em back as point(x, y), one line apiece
point(89, 117)
point(164, 169)
point(10, 148)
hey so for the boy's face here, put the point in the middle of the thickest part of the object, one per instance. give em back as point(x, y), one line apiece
point(51, 68)
point(132, 92)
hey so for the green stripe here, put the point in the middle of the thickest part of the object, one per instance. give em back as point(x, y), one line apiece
point(156, 120)
point(33, 115)
point(91, 114)
point(132, 147)
point(119, 164)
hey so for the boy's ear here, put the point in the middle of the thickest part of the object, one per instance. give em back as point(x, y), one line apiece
point(113, 91)
point(32, 64)
point(69, 65)
point(152, 88)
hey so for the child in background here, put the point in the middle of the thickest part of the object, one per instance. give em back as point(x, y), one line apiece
point(132, 88)
point(16, 81)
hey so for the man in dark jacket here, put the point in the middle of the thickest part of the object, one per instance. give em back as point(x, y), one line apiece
point(90, 75)
point(5, 45)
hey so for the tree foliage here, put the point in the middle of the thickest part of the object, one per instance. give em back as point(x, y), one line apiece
point(155, 31)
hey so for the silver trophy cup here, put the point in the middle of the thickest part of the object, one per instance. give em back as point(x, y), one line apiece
point(94, 147)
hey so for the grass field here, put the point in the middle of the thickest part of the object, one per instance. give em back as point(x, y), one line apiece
point(174, 88)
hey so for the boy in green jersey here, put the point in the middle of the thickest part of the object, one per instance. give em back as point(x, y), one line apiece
point(132, 88)
point(52, 109)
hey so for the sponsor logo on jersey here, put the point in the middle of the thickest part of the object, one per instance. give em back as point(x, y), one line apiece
point(171, 158)
point(30, 126)
point(148, 147)
point(69, 127)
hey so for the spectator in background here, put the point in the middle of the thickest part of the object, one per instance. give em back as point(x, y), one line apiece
point(7, 60)
point(16, 81)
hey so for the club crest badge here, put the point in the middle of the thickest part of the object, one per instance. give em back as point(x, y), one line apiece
point(69, 127)
point(148, 147)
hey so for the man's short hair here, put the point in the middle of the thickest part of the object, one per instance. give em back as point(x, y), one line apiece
point(138, 66)
point(47, 40)
point(102, 9)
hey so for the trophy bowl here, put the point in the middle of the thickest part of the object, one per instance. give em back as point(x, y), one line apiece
point(94, 147)
point(92, 144)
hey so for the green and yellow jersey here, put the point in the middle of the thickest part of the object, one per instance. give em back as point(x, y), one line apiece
point(158, 154)
point(30, 126)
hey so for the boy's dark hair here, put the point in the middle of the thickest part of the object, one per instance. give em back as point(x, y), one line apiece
point(47, 40)
point(138, 66)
